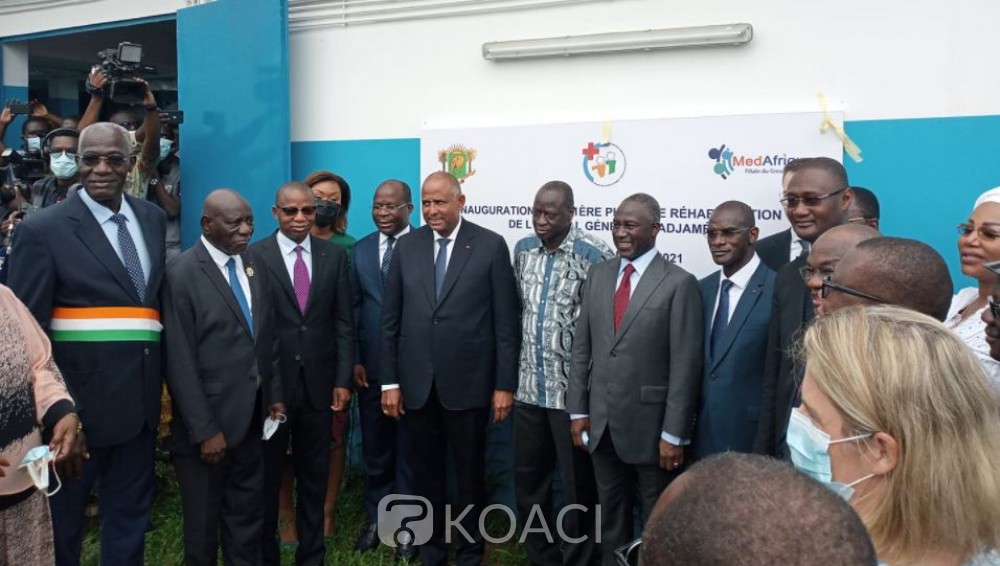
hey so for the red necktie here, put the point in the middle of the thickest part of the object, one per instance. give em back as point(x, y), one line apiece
point(622, 295)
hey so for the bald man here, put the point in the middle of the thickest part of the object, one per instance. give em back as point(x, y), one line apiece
point(826, 254)
point(893, 271)
point(223, 373)
point(90, 271)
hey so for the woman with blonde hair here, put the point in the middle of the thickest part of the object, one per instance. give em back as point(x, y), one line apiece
point(898, 417)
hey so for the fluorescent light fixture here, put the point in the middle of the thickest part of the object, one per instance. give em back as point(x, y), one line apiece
point(617, 42)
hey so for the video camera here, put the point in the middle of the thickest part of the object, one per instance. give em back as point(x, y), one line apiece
point(121, 66)
point(26, 167)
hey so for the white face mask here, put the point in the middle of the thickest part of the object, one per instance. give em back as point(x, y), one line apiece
point(36, 463)
point(63, 165)
point(271, 425)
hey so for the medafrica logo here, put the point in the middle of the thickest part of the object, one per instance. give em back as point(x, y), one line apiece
point(723, 160)
point(603, 163)
point(457, 160)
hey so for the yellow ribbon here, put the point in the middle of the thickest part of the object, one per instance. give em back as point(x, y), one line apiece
point(851, 148)
point(606, 132)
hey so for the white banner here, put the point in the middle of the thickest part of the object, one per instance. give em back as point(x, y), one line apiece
point(689, 165)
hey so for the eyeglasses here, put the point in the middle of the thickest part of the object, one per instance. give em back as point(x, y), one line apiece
point(91, 160)
point(983, 232)
point(130, 125)
point(828, 284)
point(810, 202)
point(807, 272)
point(388, 207)
point(628, 554)
point(294, 210)
point(68, 154)
point(726, 233)
point(994, 309)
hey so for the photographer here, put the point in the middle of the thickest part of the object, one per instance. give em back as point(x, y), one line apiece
point(143, 174)
point(167, 190)
point(13, 195)
point(40, 121)
point(60, 148)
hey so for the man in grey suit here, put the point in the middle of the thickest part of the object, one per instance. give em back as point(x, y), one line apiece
point(635, 370)
point(737, 307)
point(223, 373)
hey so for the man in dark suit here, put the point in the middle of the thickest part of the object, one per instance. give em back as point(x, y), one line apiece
point(310, 290)
point(450, 342)
point(635, 370)
point(222, 369)
point(387, 462)
point(817, 199)
point(777, 250)
point(737, 301)
point(90, 271)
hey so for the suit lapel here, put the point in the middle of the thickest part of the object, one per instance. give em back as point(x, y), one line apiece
point(257, 298)
point(91, 233)
point(460, 255)
point(748, 300)
point(709, 300)
point(320, 263)
point(271, 255)
point(427, 235)
point(648, 283)
point(213, 274)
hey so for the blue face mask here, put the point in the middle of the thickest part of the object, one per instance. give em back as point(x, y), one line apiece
point(165, 146)
point(63, 165)
point(36, 464)
point(810, 448)
point(34, 143)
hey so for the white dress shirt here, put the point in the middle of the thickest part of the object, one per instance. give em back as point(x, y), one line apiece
point(103, 216)
point(221, 258)
point(640, 264)
point(740, 280)
point(798, 245)
point(383, 243)
point(287, 247)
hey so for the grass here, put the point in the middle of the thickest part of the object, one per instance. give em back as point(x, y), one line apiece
point(165, 547)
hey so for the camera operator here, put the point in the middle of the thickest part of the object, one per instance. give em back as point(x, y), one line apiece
point(40, 121)
point(13, 195)
point(60, 148)
point(143, 173)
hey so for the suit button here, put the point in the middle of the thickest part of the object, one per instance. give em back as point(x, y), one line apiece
point(614, 354)
point(145, 351)
point(713, 376)
point(302, 328)
point(298, 357)
point(435, 321)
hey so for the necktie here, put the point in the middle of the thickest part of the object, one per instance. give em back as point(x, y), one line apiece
point(387, 257)
point(241, 298)
point(440, 266)
point(623, 294)
point(721, 321)
point(130, 256)
point(805, 248)
point(300, 280)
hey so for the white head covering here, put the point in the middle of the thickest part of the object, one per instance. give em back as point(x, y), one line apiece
point(992, 195)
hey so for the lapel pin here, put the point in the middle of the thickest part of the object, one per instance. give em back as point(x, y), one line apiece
point(468, 247)
point(249, 271)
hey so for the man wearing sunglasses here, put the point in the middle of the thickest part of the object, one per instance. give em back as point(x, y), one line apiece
point(90, 271)
point(816, 199)
point(312, 298)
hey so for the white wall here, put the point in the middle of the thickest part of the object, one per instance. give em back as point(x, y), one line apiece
point(884, 59)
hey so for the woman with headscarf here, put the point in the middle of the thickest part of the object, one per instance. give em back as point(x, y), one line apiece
point(978, 244)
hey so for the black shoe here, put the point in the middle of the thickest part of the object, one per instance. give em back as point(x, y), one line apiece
point(407, 553)
point(368, 539)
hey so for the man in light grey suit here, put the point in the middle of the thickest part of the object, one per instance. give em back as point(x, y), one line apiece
point(635, 370)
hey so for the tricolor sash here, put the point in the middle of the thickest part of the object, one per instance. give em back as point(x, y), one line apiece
point(105, 324)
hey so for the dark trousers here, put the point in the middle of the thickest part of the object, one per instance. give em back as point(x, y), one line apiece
point(227, 497)
point(433, 429)
point(124, 499)
point(309, 429)
point(618, 484)
point(385, 452)
point(541, 440)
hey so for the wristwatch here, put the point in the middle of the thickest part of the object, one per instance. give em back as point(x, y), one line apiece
point(153, 181)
